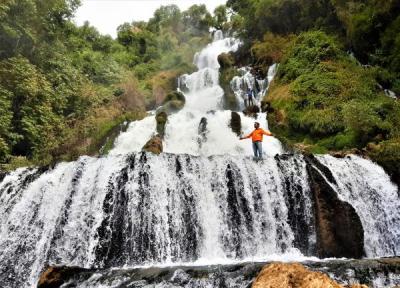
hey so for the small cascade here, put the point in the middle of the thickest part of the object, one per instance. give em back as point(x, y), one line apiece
point(204, 98)
point(368, 188)
point(247, 81)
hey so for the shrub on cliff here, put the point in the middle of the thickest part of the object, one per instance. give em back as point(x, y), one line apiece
point(271, 49)
point(309, 49)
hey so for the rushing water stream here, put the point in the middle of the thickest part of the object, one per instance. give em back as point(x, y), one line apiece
point(207, 203)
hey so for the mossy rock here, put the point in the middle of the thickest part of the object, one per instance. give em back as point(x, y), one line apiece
point(226, 60)
point(173, 102)
point(161, 119)
point(226, 76)
point(387, 154)
point(251, 111)
point(174, 96)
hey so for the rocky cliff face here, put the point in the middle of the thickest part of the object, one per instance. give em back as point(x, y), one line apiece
point(339, 229)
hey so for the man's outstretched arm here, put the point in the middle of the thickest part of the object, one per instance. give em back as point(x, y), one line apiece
point(246, 137)
point(267, 133)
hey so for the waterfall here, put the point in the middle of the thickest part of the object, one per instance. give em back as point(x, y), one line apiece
point(368, 188)
point(139, 209)
point(203, 99)
point(246, 80)
point(144, 209)
point(204, 201)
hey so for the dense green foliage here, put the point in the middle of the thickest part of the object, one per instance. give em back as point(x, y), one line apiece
point(332, 100)
point(369, 28)
point(63, 88)
point(323, 99)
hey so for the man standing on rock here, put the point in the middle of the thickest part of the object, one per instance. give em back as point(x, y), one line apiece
point(257, 138)
point(250, 101)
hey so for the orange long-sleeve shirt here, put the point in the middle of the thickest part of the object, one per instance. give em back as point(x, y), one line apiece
point(257, 134)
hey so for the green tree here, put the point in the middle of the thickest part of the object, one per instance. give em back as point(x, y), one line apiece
point(220, 18)
point(166, 16)
point(34, 121)
point(197, 20)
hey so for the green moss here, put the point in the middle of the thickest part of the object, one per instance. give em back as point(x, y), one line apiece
point(173, 102)
point(387, 154)
point(161, 119)
point(104, 135)
point(332, 103)
point(226, 75)
point(308, 50)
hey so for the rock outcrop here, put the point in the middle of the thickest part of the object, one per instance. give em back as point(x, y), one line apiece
point(55, 276)
point(228, 70)
point(280, 275)
point(251, 111)
point(236, 123)
point(154, 145)
point(339, 228)
point(202, 130)
point(226, 60)
point(173, 102)
point(161, 119)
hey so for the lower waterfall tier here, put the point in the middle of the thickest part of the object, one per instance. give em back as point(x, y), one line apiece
point(142, 209)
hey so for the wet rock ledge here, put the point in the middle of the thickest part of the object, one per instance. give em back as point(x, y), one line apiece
point(378, 273)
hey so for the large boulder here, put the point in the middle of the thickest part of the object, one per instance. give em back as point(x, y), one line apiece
point(161, 119)
point(154, 145)
point(294, 275)
point(339, 229)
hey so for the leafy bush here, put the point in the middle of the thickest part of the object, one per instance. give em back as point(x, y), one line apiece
point(333, 101)
point(309, 49)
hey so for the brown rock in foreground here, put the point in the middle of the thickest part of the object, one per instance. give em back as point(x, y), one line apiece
point(54, 277)
point(154, 145)
point(280, 275)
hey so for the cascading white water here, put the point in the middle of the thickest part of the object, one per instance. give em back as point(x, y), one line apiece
point(133, 208)
point(246, 80)
point(368, 188)
point(203, 99)
point(145, 209)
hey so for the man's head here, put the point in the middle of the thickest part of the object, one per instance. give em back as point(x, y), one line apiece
point(256, 125)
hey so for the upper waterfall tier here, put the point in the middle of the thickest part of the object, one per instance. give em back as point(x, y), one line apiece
point(204, 99)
